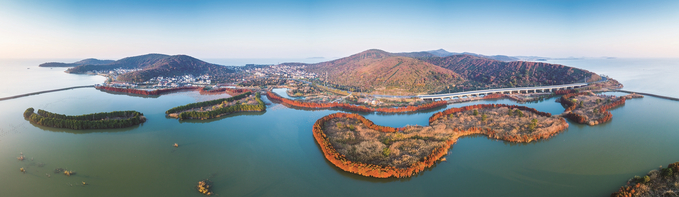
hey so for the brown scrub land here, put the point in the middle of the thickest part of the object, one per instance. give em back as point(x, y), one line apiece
point(659, 182)
point(357, 145)
point(592, 109)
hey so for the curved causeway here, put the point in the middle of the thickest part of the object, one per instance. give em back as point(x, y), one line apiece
point(355, 144)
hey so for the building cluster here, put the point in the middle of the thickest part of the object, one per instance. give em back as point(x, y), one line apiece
point(113, 73)
point(173, 82)
point(284, 71)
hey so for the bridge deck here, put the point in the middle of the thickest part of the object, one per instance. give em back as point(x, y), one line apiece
point(500, 90)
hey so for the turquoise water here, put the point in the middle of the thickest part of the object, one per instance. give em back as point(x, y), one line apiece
point(273, 153)
point(656, 76)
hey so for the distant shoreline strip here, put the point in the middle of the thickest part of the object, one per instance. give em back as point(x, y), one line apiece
point(46, 91)
point(647, 94)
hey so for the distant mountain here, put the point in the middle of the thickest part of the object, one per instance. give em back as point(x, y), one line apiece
point(135, 62)
point(153, 65)
point(177, 65)
point(382, 72)
point(444, 53)
point(90, 61)
point(493, 73)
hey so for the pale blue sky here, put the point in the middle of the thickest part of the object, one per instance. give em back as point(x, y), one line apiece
point(300, 29)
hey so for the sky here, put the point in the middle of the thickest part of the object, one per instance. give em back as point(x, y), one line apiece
point(302, 29)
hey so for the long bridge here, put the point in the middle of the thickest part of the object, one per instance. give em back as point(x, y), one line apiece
point(478, 93)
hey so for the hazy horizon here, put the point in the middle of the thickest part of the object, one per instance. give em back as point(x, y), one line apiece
point(302, 29)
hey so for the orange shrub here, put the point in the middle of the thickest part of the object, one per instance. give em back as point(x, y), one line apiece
point(358, 108)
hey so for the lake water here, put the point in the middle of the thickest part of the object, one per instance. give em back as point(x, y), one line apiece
point(273, 153)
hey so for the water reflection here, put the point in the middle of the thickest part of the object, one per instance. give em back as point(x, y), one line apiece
point(250, 113)
point(85, 131)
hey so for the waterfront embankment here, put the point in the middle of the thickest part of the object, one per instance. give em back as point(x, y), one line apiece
point(648, 94)
point(46, 91)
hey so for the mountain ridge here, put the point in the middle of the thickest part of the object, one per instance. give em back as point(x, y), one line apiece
point(91, 61)
point(153, 65)
point(381, 71)
point(469, 71)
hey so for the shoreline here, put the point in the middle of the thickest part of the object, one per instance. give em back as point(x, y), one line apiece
point(379, 171)
point(351, 107)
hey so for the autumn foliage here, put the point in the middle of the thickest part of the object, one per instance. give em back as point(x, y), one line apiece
point(358, 108)
point(372, 170)
point(563, 92)
point(144, 92)
point(570, 106)
point(657, 184)
point(494, 96)
point(519, 138)
point(481, 106)
point(230, 91)
point(379, 171)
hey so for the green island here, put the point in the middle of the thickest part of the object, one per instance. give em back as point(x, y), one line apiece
point(219, 107)
point(104, 120)
point(657, 182)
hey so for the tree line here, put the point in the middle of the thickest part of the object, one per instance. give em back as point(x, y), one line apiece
point(206, 103)
point(224, 110)
point(104, 120)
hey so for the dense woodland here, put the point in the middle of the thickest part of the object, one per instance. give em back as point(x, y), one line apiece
point(104, 120)
point(223, 110)
point(206, 103)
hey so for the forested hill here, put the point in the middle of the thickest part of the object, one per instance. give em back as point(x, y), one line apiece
point(493, 73)
point(91, 61)
point(135, 62)
point(382, 72)
point(177, 65)
point(153, 65)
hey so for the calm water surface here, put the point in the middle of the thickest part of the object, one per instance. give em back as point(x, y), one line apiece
point(274, 154)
